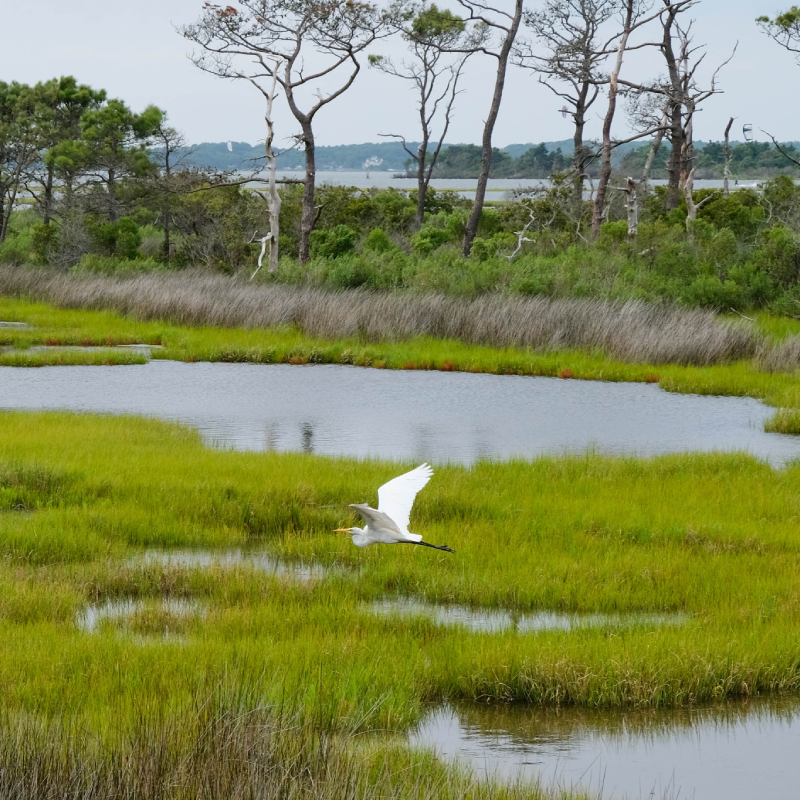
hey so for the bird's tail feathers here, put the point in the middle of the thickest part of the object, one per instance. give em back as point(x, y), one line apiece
point(414, 537)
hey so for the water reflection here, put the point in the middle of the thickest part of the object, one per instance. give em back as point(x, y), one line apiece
point(434, 416)
point(496, 621)
point(127, 609)
point(229, 559)
point(736, 751)
point(307, 437)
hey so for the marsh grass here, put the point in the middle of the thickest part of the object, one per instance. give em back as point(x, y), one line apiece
point(577, 535)
point(630, 331)
point(225, 679)
point(68, 358)
point(785, 420)
point(783, 357)
point(235, 751)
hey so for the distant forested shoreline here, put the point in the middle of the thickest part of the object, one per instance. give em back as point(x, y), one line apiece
point(462, 161)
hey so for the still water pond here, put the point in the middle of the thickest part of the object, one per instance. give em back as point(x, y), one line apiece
point(498, 620)
point(435, 416)
point(739, 751)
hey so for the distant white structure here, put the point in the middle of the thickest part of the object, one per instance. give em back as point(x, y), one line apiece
point(230, 147)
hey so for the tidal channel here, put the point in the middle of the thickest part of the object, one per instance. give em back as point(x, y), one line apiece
point(408, 415)
point(736, 751)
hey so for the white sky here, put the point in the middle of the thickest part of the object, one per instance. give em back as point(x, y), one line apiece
point(133, 51)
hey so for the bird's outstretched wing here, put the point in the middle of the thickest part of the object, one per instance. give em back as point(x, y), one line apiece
point(377, 519)
point(382, 527)
point(396, 497)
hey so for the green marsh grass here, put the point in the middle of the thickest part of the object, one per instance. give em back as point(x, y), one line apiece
point(585, 534)
point(713, 537)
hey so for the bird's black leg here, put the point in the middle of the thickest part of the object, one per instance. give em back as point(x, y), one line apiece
point(436, 546)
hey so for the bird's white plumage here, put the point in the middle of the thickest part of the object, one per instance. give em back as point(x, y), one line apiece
point(388, 524)
point(396, 497)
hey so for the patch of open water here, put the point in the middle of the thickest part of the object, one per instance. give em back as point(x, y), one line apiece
point(409, 415)
point(228, 559)
point(91, 617)
point(736, 751)
point(496, 621)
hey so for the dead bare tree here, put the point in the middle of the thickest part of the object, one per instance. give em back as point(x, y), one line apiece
point(570, 32)
point(727, 154)
point(433, 72)
point(631, 205)
point(505, 26)
point(273, 198)
point(683, 97)
point(633, 17)
point(261, 32)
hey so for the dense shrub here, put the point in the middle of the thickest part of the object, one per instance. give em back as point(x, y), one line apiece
point(120, 239)
point(334, 242)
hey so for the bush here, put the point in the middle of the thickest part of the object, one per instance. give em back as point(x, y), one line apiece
point(429, 239)
point(779, 254)
point(378, 241)
point(17, 248)
point(333, 243)
point(121, 238)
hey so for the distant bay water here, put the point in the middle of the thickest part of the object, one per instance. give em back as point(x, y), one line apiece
point(497, 188)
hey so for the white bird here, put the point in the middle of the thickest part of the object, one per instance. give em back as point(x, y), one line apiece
point(389, 523)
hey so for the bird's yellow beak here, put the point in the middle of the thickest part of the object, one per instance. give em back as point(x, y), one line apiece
point(342, 530)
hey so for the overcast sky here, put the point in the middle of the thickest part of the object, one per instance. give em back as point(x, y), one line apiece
point(132, 50)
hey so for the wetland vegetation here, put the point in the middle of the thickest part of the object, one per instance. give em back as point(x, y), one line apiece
point(82, 496)
point(128, 674)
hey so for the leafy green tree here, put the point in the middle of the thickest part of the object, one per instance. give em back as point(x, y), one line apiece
point(116, 147)
point(18, 145)
point(60, 105)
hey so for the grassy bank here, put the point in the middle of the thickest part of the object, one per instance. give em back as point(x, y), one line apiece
point(58, 327)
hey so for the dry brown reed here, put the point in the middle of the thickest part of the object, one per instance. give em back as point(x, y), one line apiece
point(785, 357)
point(631, 331)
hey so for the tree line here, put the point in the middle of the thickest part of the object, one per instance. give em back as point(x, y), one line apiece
point(90, 160)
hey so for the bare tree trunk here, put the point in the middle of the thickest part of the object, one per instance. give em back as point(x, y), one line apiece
point(112, 195)
point(727, 151)
point(422, 183)
point(691, 207)
point(605, 169)
point(632, 207)
point(275, 200)
point(579, 154)
point(48, 196)
point(675, 158)
point(488, 129)
point(307, 215)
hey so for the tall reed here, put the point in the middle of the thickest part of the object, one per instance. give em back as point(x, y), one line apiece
point(229, 752)
point(632, 331)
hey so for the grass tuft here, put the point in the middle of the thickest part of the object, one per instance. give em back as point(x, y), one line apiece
point(785, 420)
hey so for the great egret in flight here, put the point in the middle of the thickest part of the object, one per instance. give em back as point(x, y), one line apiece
point(389, 523)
